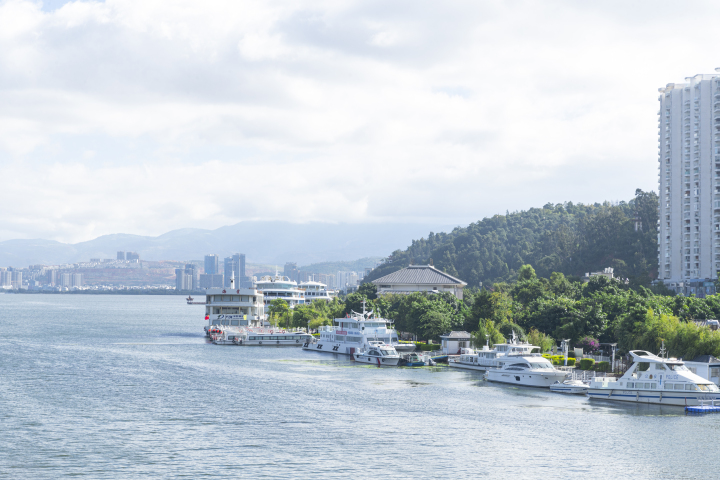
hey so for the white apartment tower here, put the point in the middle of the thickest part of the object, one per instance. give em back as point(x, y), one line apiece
point(689, 185)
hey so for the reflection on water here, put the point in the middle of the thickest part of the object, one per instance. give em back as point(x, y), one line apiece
point(116, 387)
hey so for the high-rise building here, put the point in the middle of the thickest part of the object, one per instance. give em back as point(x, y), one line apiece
point(236, 264)
point(52, 276)
point(211, 264)
point(132, 256)
point(183, 279)
point(5, 278)
point(689, 203)
point(291, 271)
point(77, 280)
point(121, 255)
point(194, 273)
point(16, 280)
point(65, 280)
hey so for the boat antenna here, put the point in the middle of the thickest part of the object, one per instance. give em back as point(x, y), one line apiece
point(663, 353)
point(487, 340)
point(232, 280)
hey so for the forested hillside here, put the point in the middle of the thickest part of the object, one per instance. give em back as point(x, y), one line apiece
point(568, 238)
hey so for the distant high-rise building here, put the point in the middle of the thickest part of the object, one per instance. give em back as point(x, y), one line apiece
point(65, 280)
point(193, 271)
point(5, 278)
point(52, 277)
point(16, 280)
point(132, 256)
point(211, 264)
point(236, 264)
point(183, 280)
point(77, 280)
point(121, 255)
point(211, 281)
point(689, 189)
point(95, 260)
point(291, 271)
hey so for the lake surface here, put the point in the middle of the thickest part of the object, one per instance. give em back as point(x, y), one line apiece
point(127, 387)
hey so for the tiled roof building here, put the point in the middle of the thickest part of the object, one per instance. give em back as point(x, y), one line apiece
point(419, 278)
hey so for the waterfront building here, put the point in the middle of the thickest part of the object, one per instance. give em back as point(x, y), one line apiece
point(211, 281)
point(316, 291)
point(274, 287)
point(183, 280)
point(419, 278)
point(120, 256)
point(65, 280)
point(211, 264)
point(76, 280)
point(5, 278)
point(689, 185)
point(194, 272)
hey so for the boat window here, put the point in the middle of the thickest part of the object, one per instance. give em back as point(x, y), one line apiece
point(653, 386)
point(677, 367)
point(340, 338)
point(643, 366)
point(659, 366)
point(669, 386)
point(712, 387)
point(690, 387)
point(630, 384)
point(235, 322)
point(703, 388)
point(679, 386)
point(251, 338)
point(374, 352)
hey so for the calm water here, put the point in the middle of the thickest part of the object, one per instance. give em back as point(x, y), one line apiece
point(127, 387)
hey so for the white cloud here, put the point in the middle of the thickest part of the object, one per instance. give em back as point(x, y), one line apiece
point(136, 116)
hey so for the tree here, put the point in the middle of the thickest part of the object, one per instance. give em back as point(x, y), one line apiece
point(279, 310)
point(369, 290)
point(432, 324)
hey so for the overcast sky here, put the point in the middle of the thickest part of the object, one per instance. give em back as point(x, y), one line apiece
point(142, 116)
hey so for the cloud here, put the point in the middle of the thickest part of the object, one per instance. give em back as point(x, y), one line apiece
point(134, 116)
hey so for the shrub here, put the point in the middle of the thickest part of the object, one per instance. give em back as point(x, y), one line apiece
point(571, 354)
point(602, 367)
point(587, 363)
point(571, 362)
point(589, 344)
point(547, 355)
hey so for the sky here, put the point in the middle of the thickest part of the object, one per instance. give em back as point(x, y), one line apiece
point(144, 116)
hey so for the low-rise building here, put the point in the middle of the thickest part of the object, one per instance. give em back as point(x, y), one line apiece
point(419, 278)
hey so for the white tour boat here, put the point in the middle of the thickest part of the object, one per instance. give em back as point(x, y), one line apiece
point(353, 334)
point(653, 379)
point(576, 387)
point(279, 287)
point(249, 336)
point(528, 369)
point(488, 358)
point(317, 291)
point(378, 352)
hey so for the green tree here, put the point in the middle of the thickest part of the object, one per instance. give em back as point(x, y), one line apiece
point(279, 311)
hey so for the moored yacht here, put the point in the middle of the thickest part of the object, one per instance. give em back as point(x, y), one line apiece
point(378, 352)
point(352, 334)
point(279, 287)
point(653, 379)
point(531, 370)
point(487, 358)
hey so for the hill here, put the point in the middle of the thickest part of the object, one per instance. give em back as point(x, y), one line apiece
point(568, 238)
point(271, 243)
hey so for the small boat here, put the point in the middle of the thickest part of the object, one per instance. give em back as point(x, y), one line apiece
point(416, 360)
point(575, 387)
point(530, 370)
point(378, 352)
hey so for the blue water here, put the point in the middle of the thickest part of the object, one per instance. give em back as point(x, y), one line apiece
point(127, 387)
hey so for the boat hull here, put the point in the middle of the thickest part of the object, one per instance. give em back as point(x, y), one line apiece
point(404, 347)
point(465, 366)
point(569, 389)
point(380, 361)
point(657, 397)
point(526, 379)
point(330, 348)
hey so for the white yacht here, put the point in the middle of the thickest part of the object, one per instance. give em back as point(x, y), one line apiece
point(377, 352)
point(277, 286)
point(487, 358)
point(317, 291)
point(653, 379)
point(353, 334)
point(528, 369)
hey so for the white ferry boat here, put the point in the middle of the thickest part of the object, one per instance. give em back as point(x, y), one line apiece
point(317, 291)
point(487, 358)
point(353, 334)
point(653, 379)
point(248, 336)
point(378, 353)
point(529, 369)
point(277, 286)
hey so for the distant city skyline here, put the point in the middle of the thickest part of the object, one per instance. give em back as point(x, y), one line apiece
point(366, 112)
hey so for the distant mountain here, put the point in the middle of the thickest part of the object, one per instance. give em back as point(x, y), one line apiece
point(262, 242)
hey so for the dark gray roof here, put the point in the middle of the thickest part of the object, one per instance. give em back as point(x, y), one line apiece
point(419, 275)
point(705, 359)
point(457, 335)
